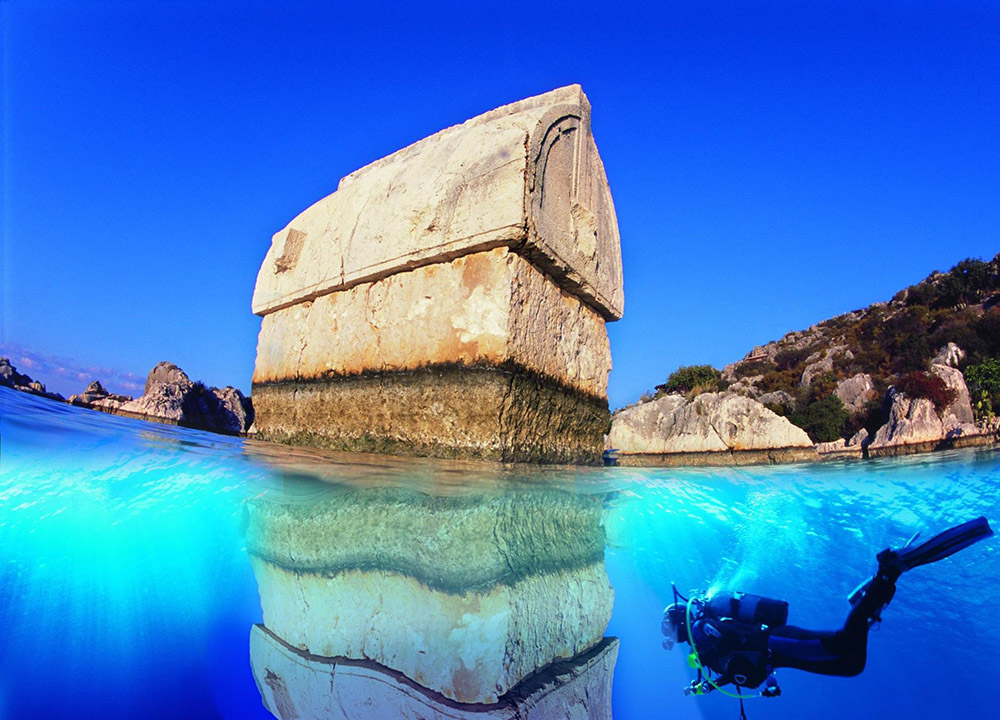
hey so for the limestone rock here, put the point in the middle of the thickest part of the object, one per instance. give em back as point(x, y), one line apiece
point(162, 400)
point(966, 430)
point(232, 410)
point(959, 410)
point(746, 386)
point(470, 647)
point(835, 446)
point(840, 449)
point(294, 684)
point(165, 373)
point(526, 175)
point(856, 392)
point(818, 363)
point(171, 396)
point(448, 543)
point(711, 422)
point(911, 422)
point(10, 377)
point(778, 397)
point(466, 595)
point(488, 308)
point(950, 355)
point(451, 298)
point(859, 439)
point(97, 396)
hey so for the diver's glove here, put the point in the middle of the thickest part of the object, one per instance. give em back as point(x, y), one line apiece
point(771, 688)
point(698, 688)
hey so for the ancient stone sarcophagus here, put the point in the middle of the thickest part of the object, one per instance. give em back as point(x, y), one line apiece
point(450, 299)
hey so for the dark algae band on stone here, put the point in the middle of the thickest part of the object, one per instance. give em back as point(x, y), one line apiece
point(501, 413)
point(455, 544)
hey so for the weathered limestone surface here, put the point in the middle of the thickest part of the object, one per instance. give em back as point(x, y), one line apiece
point(294, 684)
point(911, 422)
point(959, 411)
point(855, 392)
point(471, 647)
point(172, 397)
point(491, 307)
point(711, 423)
point(525, 175)
point(915, 425)
point(95, 395)
point(853, 447)
point(492, 245)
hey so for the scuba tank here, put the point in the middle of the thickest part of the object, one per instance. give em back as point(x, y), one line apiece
point(746, 608)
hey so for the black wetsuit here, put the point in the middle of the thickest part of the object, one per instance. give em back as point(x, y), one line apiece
point(746, 654)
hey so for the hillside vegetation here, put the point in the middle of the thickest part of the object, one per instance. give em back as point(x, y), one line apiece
point(831, 379)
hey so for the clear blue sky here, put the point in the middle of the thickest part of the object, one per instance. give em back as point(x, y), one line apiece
point(772, 164)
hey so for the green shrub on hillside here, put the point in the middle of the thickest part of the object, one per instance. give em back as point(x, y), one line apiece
point(792, 357)
point(823, 420)
point(970, 281)
point(984, 387)
point(687, 378)
point(753, 369)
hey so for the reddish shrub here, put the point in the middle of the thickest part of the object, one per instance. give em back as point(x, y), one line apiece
point(926, 385)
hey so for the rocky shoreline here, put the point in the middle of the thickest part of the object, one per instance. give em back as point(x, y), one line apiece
point(705, 430)
point(730, 428)
point(169, 397)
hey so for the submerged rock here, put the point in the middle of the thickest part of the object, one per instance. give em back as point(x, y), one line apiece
point(467, 596)
point(297, 684)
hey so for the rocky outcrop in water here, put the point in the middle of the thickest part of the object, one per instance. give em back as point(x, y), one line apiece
point(450, 299)
point(712, 428)
point(853, 447)
point(97, 397)
point(490, 602)
point(10, 377)
point(916, 425)
point(171, 396)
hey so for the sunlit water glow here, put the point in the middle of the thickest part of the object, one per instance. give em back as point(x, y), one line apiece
point(125, 588)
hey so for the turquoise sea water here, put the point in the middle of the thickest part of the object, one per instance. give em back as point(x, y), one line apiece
point(126, 591)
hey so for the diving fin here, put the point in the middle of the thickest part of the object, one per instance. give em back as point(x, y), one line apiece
point(937, 548)
point(893, 563)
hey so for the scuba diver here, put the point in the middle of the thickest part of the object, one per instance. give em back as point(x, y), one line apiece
point(740, 639)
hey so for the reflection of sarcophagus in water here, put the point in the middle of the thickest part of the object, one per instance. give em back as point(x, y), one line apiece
point(384, 599)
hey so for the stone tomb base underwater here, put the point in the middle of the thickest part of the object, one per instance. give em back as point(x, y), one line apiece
point(493, 413)
point(295, 684)
point(458, 599)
